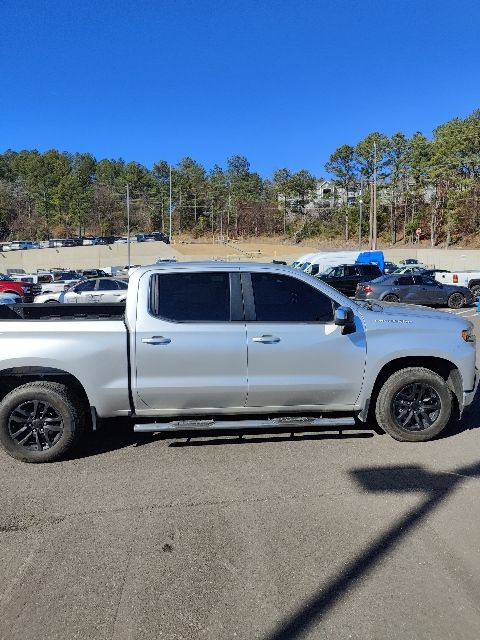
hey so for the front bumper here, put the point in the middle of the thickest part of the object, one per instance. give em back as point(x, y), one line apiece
point(468, 396)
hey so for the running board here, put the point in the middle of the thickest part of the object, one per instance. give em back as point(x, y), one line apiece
point(287, 423)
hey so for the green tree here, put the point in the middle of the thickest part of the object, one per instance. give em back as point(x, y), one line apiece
point(342, 165)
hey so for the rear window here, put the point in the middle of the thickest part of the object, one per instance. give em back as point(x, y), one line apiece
point(381, 279)
point(191, 297)
point(44, 279)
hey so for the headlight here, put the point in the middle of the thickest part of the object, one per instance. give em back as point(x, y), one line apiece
point(468, 335)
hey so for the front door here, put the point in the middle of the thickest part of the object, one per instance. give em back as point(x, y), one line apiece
point(431, 290)
point(297, 356)
point(82, 292)
point(190, 343)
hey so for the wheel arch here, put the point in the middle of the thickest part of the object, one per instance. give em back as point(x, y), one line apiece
point(388, 293)
point(473, 283)
point(16, 376)
point(444, 368)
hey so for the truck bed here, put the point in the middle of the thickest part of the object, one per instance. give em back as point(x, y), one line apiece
point(93, 311)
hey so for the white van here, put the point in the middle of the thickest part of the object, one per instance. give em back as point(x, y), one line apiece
point(320, 261)
point(302, 260)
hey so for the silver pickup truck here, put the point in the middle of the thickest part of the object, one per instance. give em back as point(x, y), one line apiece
point(202, 345)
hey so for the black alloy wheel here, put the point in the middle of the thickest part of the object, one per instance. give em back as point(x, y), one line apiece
point(456, 300)
point(35, 425)
point(390, 297)
point(416, 407)
point(42, 421)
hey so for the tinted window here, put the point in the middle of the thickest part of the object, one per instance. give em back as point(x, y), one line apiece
point(203, 297)
point(107, 285)
point(286, 299)
point(381, 279)
point(405, 280)
point(121, 284)
point(431, 282)
point(89, 285)
point(351, 271)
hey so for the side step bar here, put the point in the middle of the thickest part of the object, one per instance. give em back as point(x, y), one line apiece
point(287, 423)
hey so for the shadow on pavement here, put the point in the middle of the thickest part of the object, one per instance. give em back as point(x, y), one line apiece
point(436, 486)
point(117, 433)
point(259, 437)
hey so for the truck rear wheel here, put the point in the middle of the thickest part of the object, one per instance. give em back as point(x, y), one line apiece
point(414, 405)
point(41, 422)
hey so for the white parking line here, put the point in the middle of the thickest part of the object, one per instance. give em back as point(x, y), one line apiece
point(464, 311)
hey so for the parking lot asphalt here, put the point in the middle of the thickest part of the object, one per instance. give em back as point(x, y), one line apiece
point(326, 535)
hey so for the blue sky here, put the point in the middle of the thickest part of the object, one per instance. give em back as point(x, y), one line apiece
point(282, 82)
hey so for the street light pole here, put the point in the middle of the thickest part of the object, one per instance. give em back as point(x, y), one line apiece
point(374, 196)
point(128, 225)
point(170, 206)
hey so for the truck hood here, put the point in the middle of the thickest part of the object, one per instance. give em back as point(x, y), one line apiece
point(403, 312)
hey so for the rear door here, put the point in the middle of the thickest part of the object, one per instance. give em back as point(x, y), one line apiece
point(297, 356)
point(190, 342)
point(108, 290)
point(404, 287)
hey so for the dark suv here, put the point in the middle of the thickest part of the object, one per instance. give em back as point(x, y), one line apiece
point(345, 277)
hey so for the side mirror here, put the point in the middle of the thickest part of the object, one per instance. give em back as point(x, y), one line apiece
point(345, 318)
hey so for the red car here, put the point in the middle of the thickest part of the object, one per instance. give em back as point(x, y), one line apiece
point(26, 290)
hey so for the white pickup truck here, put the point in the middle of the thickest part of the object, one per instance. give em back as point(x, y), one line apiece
point(225, 345)
point(470, 279)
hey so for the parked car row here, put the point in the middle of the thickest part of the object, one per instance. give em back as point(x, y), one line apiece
point(414, 289)
point(24, 245)
point(88, 291)
point(366, 276)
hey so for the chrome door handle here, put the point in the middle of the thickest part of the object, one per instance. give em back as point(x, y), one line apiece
point(266, 339)
point(156, 340)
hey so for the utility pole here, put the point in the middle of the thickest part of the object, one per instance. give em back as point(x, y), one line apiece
point(229, 212)
point(370, 218)
point(360, 202)
point(170, 205)
point(128, 225)
point(374, 239)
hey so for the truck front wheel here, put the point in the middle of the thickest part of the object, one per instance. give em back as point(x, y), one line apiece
point(414, 405)
point(41, 422)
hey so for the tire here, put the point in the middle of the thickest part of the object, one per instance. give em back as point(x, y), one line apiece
point(456, 300)
point(403, 392)
point(390, 297)
point(58, 422)
point(475, 290)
